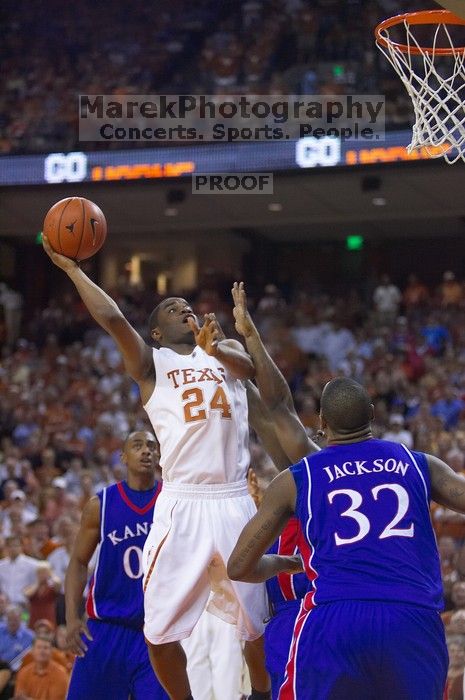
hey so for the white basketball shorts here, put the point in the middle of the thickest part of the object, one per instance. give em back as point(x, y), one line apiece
point(195, 529)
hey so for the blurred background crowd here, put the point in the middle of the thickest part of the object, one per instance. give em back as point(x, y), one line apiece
point(66, 406)
point(252, 47)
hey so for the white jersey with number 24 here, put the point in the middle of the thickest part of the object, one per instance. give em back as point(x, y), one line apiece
point(199, 414)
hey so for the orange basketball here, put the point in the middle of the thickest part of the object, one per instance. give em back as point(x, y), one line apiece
point(75, 227)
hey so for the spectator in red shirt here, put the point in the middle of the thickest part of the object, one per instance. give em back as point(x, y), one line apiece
point(43, 594)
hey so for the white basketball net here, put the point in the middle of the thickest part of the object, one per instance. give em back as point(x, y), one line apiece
point(438, 99)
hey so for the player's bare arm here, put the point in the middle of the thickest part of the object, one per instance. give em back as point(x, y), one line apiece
point(85, 545)
point(447, 487)
point(261, 422)
point(228, 351)
point(274, 390)
point(137, 355)
point(248, 561)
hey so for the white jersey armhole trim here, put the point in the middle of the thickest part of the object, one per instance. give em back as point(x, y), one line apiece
point(418, 470)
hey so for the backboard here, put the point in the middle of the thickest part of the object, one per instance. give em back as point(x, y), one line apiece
point(455, 6)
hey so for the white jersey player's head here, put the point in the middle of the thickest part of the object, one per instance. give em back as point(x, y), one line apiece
point(168, 322)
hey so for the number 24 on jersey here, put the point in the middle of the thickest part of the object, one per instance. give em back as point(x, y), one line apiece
point(195, 405)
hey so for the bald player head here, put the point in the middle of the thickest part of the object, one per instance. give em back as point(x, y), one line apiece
point(345, 408)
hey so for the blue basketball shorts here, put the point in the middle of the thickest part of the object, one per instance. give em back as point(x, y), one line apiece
point(116, 665)
point(278, 640)
point(367, 650)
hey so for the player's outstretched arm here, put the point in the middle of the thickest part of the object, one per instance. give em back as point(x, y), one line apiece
point(136, 353)
point(85, 545)
point(261, 422)
point(447, 487)
point(229, 352)
point(248, 561)
point(274, 390)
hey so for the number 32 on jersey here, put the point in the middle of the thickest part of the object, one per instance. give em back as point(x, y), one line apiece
point(363, 523)
point(195, 405)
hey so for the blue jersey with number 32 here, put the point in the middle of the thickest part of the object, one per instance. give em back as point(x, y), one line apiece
point(115, 588)
point(364, 510)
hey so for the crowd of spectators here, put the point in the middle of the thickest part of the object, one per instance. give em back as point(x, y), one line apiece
point(50, 55)
point(66, 406)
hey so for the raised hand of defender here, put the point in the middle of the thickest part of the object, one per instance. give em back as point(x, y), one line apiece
point(208, 336)
point(75, 633)
point(244, 324)
point(62, 261)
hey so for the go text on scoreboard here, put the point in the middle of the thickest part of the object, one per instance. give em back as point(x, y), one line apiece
point(178, 162)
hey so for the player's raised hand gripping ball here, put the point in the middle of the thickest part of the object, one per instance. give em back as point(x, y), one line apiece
point(75, 227)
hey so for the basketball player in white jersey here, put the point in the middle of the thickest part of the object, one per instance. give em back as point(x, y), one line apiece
point(191, 390)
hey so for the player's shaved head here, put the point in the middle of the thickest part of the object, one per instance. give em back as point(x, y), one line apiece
point(345, 405)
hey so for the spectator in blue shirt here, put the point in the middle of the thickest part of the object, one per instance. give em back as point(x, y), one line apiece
point(448, 408)
point(436, 336)
point(15, 638)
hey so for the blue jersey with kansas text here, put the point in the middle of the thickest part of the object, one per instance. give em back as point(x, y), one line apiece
point(364, 510)
point(115, 588)
point(285, 587)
